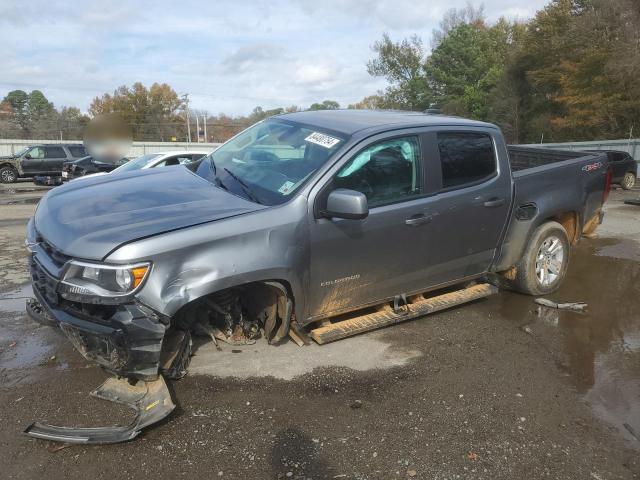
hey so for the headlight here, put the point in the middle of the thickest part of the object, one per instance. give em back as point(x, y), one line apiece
point(93, 279)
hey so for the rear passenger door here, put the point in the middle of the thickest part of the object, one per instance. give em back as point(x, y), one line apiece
point(54, 157)
point(471, 207)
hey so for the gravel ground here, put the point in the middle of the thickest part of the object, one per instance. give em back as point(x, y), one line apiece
point(492, 390)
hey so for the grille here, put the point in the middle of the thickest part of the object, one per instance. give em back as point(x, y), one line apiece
point(107, 350)
point(44, 283)
point(57, 256)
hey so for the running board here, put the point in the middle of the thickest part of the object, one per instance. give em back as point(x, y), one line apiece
point(387, 316)
point(151, 401)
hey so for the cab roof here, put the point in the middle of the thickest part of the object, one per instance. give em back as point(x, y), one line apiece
point(350, 121)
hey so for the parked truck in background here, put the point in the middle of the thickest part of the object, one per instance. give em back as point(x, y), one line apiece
point(299, 224)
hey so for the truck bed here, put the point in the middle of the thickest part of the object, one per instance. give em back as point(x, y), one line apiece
point(550, 184)
point(523, 158)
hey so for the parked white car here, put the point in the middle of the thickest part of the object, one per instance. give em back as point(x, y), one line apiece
point(161, 159)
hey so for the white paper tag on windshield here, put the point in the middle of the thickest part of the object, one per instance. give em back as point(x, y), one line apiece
point(323, 140)
point(286, 187)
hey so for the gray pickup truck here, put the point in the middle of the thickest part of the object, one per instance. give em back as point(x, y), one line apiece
point(326, 222)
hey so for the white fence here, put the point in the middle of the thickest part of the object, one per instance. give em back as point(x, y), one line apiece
point(9, 147)
point(631, 146)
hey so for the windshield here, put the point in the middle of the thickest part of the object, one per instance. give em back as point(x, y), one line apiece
point(269, 161)
point(138, 163)
point(22, 152)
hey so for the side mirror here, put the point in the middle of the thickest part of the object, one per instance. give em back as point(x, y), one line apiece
point(28, 156)
point(343, 203)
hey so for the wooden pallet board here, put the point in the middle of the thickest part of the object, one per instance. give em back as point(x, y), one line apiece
point(386, 317)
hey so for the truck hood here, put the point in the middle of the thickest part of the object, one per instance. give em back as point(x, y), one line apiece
point(89, 219)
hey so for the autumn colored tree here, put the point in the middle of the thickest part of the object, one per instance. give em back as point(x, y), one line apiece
point(152, 113)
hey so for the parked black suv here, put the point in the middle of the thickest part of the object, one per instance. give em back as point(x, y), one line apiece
point(41, 159)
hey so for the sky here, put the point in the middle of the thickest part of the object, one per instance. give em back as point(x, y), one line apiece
point(229, 56)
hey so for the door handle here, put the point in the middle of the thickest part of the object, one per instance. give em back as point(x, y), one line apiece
point(418, 220)
point(494, 202)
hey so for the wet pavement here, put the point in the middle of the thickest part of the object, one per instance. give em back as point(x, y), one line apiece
point(501, 388)
point(599, 349)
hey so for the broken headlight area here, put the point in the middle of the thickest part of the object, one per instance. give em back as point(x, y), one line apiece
point(101, 283)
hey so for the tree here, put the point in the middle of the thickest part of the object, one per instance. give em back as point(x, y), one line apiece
point(152, 113)
point(468, 15)
point(326, 105)
point(468, 65)
point(372, 102)
point(402, 64)
point(18, 100)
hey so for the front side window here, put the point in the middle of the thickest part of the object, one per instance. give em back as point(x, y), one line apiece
point(54, 152)
point(386, 172)
point(466, 158)
point(36, 152)
point(268, 162)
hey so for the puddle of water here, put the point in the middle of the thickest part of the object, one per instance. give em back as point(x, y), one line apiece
point(599, 349)
point(29, 350)
point(14, 300)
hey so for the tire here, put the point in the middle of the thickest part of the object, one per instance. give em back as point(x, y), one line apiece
point(8, 174)
point(628, 181)
point(541, 276)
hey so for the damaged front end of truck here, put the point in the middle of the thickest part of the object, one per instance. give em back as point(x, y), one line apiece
point(139, 346)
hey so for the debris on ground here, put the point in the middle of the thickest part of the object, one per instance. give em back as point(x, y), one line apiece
point(631, 431)
point(574, 306)
point(356, 404)
point(472, 456)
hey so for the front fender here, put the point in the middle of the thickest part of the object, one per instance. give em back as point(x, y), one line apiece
point(267, 245)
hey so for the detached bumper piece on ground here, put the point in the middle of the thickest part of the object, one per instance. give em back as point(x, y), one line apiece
point(150, 400)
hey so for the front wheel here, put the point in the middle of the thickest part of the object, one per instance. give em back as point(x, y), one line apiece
point(8, 174)
point(545, 261)
point(628, 181)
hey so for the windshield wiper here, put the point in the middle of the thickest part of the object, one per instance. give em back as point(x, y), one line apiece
point(245, 187)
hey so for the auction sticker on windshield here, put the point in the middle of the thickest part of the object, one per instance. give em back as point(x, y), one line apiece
point(286, 187)
point(323, 140)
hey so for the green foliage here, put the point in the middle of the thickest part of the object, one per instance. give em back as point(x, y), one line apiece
point(570, 73)
point(326, 105)
point(402, 64)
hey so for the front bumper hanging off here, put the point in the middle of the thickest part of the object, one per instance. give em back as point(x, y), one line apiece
point(150, 400)
point(127, 343)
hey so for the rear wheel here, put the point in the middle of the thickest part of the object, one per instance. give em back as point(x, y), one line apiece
point(544, 263)
point(628, 181)
point(8, 174)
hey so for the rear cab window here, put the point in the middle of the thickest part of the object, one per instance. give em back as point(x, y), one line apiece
point(466, 158)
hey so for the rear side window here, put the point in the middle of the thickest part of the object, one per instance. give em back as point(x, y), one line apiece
point(466, 158)
point(54, 152)
point(77, 151)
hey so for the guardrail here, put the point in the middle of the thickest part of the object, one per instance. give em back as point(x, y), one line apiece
point(10, 146)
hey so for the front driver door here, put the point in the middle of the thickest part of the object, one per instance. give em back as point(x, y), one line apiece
point(31, 161)
point(358, 262)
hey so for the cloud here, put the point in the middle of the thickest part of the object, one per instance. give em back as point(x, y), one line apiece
point(229, 55)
